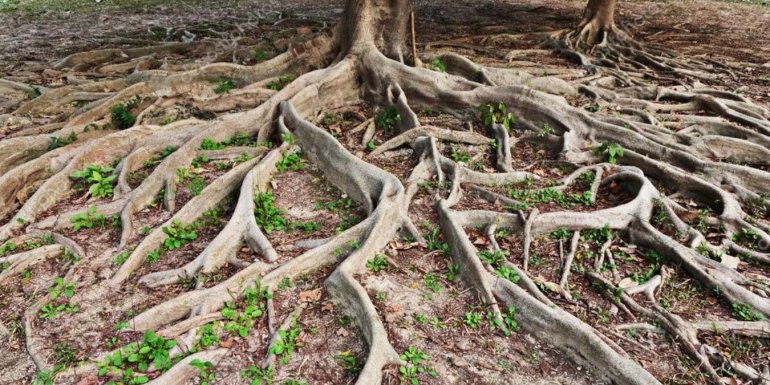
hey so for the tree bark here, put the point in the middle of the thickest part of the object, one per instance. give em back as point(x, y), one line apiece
point(379, 23)
point(598, 21)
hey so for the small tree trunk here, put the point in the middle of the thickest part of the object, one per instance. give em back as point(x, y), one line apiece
point(379, 24)
point(598, 21)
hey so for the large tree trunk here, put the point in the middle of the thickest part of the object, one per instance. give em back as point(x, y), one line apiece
point(379, 23)
point(598, 21)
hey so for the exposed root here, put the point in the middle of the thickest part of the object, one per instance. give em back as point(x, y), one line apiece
point(682, 148)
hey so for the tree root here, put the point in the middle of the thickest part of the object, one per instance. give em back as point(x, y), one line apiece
point(714, 161)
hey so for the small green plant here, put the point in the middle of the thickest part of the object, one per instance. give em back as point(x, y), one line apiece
point(210, 144)
point(179, 234)
point(745, 312)
point(61, 288)
point(387, 119)
point(259, 376)
point(223, 86)
point(453, 271)
point(438, 65)
point(437, 323)
point(545, 130)
point(138, 356)
point(459, 155)
point(121, 115)
point(493, 258)
point(268, 216)
point(196, 185)
point(472, 320)
point(7, 248)
point(285, 284)
point(51, 311)
point(509, 320)
point(241, 321)
point(347, 361)
point(88, 220)
point(292, 162)
point(99, 178)
point(57, 142)
point(432, 283)
point(47, 377)
point(153, 256)
point(280, 83)
point(508, 273)
point(330, 118)
point(305, 227)
point(433, 242)
point(65, 354)
point(286, 343)
point(414, 359)
point(205, 369)
point(377, 264)
point(414, 356)
point(562, 234)
point(612, 150)
point(260, 55)
point(207, 336)
point(497, 114)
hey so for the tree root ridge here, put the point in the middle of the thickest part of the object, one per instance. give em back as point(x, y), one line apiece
point(716, 157)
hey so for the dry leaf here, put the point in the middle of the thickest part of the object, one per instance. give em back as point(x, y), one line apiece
point(228, 343)
point(342, 332)
point(328, 307)
point(310, 295)
point(614, 187)
point(88, 380)
point(392, 307)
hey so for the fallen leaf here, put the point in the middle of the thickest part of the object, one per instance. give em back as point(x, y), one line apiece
point(310, 295)
point(228, 343)
point(88, 380)
point(689, 215)
point(328, 307)
point(393, 307)
point(614, 187)
point(342, 332)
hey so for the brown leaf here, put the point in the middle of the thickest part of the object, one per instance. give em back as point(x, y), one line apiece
point(393, 307)
point(342, 332)
point(614, 187)
point(88, 380)
point(689, 215)
point(328, 307)
point(310, 295)
point(228, 343)
point(481, 241)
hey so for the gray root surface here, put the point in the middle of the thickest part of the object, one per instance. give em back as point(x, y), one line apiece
point(363, 60)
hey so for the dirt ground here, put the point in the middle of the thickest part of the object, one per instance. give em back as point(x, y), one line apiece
point(419, 313)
